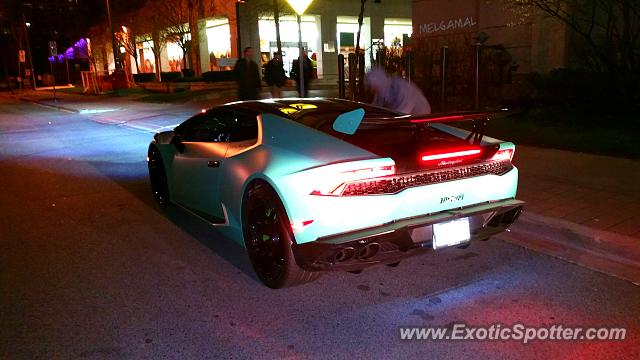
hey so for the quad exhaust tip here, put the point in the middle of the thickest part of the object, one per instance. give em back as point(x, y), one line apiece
point(369, 251)
point(366, 252)
point(344, 254)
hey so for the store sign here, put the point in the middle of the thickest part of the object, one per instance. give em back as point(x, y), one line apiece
point(21, 56)
point(433, 17)
point(450, 25)
point(222, 62)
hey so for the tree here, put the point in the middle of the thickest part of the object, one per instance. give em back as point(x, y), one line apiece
point(177, 16)
point(609, 29)
point(151, 27)
point(360, 59)
point(127, 40)
point(276, 19)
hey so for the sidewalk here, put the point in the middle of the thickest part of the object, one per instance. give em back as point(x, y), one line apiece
point(580, 207)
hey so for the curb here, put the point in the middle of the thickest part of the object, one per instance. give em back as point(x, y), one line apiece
point(57, 107)
point(599, 250)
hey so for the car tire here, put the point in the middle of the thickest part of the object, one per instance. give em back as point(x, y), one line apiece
point(268, 238)
point(158, 176)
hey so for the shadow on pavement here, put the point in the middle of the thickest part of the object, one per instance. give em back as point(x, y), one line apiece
point(133, 177)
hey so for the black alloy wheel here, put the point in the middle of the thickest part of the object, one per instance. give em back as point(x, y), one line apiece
point(268, 239)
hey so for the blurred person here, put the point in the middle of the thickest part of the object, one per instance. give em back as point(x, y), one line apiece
point(247, 76)
point(307, 71)
point(396, 93)
point(274, 75)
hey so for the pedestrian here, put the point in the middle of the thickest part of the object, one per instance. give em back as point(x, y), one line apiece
point(274, 75)
point(396, 93)
point(247, 76)
point(307, 70)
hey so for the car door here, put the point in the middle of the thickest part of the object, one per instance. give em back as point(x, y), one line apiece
point(198, 163)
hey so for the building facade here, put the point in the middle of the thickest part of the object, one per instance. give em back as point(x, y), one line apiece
point(329, 28)
point(536, 44)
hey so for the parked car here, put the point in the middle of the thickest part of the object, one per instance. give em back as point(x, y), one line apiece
point(310, 185)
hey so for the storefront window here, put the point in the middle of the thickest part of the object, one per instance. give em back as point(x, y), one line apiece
point(310, 26)
point(219, 43)
point(174, 56)
point(396, 31)
point(145, 56)
point(347, 35)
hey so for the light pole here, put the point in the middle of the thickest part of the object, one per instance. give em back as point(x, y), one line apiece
point(116, 57)
point(26, 33)
point(299, 6)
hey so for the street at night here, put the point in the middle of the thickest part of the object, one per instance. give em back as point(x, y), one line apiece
point(92, 268)
point(319, 179)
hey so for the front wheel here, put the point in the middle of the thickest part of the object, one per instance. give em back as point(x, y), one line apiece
point(268, 238)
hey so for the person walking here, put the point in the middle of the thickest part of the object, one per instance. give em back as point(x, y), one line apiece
point(247, 76)
point(396, 93)
point(274, 75)
point(307, 70)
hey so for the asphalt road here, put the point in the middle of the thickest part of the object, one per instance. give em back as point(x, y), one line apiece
point(91, 268)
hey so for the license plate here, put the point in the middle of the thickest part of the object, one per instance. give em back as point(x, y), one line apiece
point(451, 233)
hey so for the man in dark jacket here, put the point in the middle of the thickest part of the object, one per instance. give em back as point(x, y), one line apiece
point(247, 76)
point(274, 75)
point(307, 70)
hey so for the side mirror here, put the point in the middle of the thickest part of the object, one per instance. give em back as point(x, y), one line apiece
point(176, 141)
point(348, 123)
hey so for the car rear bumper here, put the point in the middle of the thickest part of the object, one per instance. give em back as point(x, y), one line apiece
point(393, 241)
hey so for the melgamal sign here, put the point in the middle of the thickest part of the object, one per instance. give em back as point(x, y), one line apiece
point(441, 17)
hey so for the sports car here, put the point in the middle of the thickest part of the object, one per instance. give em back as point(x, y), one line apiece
point(311, 185)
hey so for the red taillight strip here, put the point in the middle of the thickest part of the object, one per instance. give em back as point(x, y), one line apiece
point(299, 225)
point(450, 155)
point(436, 119)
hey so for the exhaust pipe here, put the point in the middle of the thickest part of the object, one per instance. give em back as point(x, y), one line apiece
point(344, 254)
point(368, 251)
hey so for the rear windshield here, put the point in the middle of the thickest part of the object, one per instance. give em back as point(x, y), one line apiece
point(322, 118)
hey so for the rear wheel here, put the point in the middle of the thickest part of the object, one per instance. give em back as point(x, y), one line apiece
point(268, 238)
point(158, 176)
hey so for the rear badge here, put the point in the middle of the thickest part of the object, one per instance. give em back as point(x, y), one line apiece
point(450, 199)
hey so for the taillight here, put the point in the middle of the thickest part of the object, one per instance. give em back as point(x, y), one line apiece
point(448, 155)
point(299, 225)
point(333, 184)
point(502, 155)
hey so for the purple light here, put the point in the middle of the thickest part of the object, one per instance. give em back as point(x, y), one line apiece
point(78, 50)
point(69, 54)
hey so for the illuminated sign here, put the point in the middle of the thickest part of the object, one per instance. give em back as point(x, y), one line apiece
point(300, 6)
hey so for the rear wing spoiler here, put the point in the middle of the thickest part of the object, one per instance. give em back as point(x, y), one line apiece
point(479, 119)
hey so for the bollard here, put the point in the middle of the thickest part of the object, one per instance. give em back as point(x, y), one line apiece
point(443, 78)
point(409, 66)
point(352, 75)
point(341, 84)
point(476, 59)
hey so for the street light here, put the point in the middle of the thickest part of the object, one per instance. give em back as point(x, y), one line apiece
point(300, 6)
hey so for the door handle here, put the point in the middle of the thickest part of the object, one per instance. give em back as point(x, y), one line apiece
point(213, 163)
